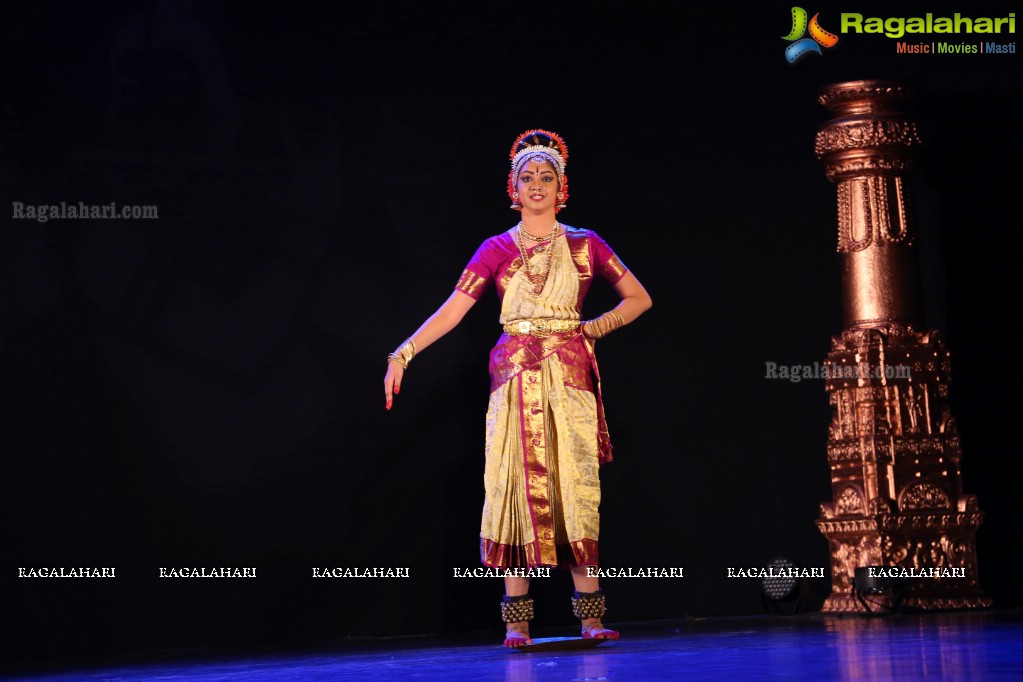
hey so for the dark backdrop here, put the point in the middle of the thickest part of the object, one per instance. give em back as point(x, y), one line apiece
point(205, 389)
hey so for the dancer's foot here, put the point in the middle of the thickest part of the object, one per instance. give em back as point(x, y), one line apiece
point(594, 629)
point(517, 635)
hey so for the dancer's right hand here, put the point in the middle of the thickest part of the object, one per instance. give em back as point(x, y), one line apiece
point(392, 382)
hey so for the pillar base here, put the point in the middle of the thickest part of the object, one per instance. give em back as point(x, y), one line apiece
point(847, 603)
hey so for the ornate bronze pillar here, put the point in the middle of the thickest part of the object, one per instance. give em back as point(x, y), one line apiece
point(893, 448)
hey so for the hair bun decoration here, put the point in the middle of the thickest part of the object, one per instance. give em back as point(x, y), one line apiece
point(542, 146)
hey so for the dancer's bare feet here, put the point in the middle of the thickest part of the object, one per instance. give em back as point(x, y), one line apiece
point(594, 629)
point(517, 635)
point(516, 611)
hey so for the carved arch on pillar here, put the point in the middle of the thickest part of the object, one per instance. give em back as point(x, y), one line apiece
point(922, 495)
point(849, 501)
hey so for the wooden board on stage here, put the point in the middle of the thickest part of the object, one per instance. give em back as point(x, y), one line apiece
point(541, 644)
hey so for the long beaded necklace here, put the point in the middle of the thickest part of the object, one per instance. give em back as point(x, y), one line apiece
point(538, 279)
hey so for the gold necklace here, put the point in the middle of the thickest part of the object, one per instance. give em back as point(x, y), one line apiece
point(538, 279)
point(533, 238)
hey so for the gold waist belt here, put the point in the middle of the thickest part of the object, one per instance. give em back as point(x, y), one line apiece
point(540, 327)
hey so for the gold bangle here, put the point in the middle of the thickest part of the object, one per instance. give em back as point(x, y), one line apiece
point(618, 319)
point(601, 326)
point(403, 354)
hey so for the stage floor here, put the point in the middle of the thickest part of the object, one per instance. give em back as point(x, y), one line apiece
point(946, 646)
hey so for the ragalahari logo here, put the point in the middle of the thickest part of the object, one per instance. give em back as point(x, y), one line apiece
point(801, 45)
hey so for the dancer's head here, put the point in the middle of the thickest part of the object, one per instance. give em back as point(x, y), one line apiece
point(533, 152)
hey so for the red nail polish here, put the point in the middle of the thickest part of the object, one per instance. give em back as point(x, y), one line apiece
point(397, 390)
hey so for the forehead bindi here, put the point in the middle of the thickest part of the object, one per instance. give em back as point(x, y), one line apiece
point(538, 168)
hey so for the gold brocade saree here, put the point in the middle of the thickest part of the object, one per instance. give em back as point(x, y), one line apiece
point(545, 435)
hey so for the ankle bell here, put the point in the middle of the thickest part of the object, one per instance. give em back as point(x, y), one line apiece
point(588, 605)
point(517, 609)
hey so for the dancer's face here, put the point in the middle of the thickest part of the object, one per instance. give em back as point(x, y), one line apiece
point(537, 186)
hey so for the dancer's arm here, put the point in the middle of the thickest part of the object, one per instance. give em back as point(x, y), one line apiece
point(635, 301)
point(437, 325)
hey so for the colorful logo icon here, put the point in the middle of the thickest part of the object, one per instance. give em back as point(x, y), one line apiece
point(802, 46)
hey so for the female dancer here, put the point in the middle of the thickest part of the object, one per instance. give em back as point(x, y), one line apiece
point(546, 434)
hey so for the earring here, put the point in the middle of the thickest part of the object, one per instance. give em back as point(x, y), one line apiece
point(516, 206)
point(561, 200)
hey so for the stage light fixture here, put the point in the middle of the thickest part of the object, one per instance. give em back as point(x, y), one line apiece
point(782, 592)
point(779, 586)
point(871, 581)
